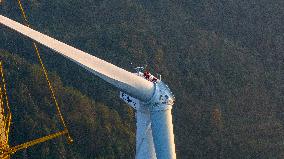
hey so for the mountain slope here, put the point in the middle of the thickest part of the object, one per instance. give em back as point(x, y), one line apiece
point(223, 61)
point(97, 130)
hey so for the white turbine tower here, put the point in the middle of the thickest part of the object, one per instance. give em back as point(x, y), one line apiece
point(152, 100)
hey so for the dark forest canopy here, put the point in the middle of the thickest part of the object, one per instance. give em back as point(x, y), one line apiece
point(223, 60)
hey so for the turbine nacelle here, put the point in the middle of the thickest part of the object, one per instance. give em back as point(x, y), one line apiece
point(162, 98)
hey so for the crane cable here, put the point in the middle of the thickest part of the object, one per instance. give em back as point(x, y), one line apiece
point(59, 114)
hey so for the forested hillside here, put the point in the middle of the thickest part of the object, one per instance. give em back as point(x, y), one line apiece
point(223, 60)
point(99, 132)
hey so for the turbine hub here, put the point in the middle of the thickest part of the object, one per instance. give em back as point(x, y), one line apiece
point(162, 99)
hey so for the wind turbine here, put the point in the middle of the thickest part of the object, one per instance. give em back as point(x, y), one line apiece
point(152, 99)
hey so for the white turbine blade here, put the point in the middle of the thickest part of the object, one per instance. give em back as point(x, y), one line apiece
point(145, 148)
point(133, 85)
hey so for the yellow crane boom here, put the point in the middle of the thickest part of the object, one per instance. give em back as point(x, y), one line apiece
point(14, 149)
point(5, 122)
point(6, 115)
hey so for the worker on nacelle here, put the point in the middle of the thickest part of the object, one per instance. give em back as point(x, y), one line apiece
point(147, 75)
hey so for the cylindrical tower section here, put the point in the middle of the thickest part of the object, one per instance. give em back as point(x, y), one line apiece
point(162, 129)
point(160, 107)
